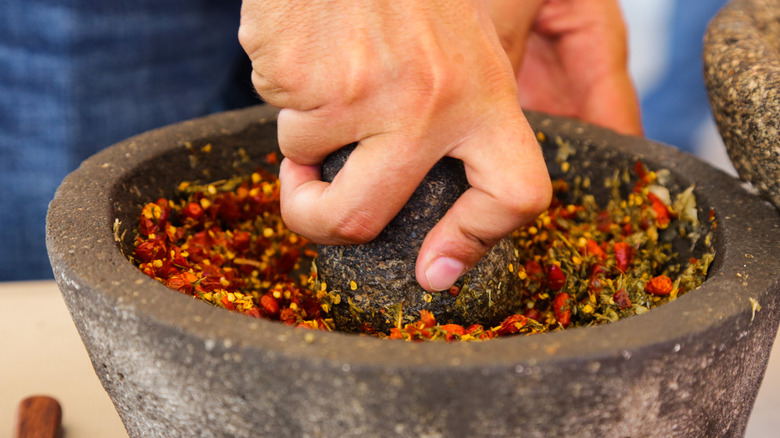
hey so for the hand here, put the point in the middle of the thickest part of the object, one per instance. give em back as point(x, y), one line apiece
point(412, 82)
point(574, 62)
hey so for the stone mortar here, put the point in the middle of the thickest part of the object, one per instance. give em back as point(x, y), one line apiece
point(177, 367)
point(385, 288)
point(742, 73)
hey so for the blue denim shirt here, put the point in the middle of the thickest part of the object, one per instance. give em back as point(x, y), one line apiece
point(80, 75)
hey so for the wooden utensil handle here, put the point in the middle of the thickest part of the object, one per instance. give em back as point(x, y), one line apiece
point(39, 417)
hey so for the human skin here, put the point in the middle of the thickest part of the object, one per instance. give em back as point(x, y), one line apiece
point(411, 82)
point(573, 62)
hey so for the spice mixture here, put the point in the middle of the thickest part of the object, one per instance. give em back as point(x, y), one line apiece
point(581, 264)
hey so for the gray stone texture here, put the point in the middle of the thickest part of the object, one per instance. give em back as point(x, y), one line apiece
point(742, 73)
point(177, 367)
point(383, 270)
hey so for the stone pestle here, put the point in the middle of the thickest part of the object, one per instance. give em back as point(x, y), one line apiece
point(372, 286)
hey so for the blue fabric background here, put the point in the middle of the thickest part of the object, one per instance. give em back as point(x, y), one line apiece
point(80, 75)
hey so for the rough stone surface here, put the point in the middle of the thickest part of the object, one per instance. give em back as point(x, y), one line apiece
point(177, 367)
point(742, 73)
point(386, 293)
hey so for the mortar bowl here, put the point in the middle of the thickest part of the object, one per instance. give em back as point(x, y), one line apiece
point(175, 366)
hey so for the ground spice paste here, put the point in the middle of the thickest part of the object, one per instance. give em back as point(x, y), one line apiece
point(581, 264)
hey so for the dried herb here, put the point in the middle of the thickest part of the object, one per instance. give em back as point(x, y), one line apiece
point(581, 264)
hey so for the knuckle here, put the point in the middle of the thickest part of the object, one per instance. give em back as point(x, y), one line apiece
point(355, 227)
point(529, 201)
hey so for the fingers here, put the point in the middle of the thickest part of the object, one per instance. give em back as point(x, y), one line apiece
point(513, 21)
point(510, 187)
point(369, 190)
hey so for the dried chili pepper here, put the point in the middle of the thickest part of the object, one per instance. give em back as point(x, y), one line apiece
point(581, 264)
point(660, 285)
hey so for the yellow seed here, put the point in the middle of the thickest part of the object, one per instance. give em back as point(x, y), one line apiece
point(206, 148)
point(565, 166)
point(582, 242)
point(211, 189)
point(255, 177)
point(511, 267)
point(428, 298)
point(268, 232)
point(277, 294)
point(231, 296)
point(522, 275)
point(540, 136)
point(336, 299)
point(532, 230)
point(293, 238)
point(587, 308)
point(293, 306)
point(546, 220)
point(152, 236)
point(267, 189)
point(157, 263)
point(224, 281)
point(323, 286)
point(353, 285)
point(205, 203)
point(576, 260)
point(254, 192)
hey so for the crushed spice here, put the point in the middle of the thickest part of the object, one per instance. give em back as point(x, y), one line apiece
point(581, 265)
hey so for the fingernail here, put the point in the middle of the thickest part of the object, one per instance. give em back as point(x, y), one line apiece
point(443, 273)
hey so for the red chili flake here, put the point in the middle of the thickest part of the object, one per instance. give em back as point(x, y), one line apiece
point(192, 210)
point(512, 324)
point(226, 302)
point(453, 332)
point(623, 255)
point(533, 313)
point(620, 297)
point(270, 305)
point(660, 285)
point(253, 312)
point(454, 291)
point(592, 248)
point(562, 309)
point(662, 217)
point(556, 279)
point(271, 158)
point(427, 319)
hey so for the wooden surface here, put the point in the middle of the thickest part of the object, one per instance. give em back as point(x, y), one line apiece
point(39, 416)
